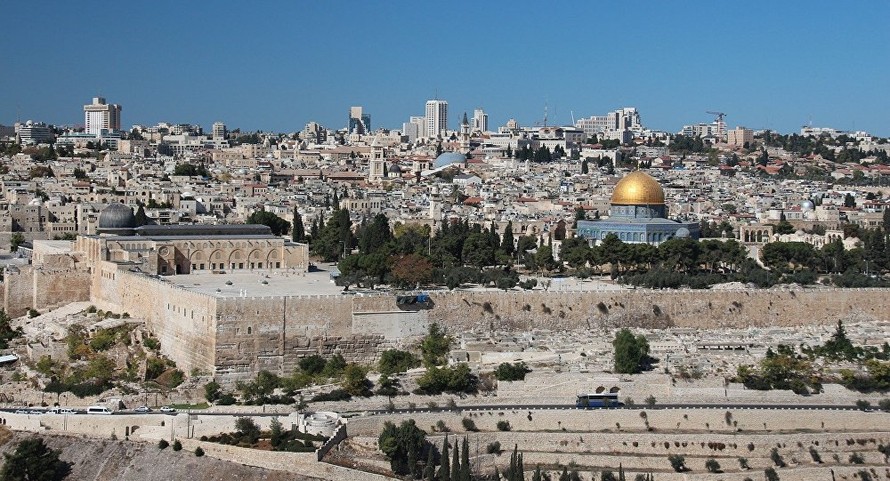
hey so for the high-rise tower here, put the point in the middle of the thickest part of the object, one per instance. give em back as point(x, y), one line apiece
point(436, 118)
point(101, 115)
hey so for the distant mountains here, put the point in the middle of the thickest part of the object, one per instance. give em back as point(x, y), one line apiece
point(6, 130)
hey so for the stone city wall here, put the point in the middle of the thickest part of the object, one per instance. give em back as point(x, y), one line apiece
point(274, 333)
point(238, 337)
point(18, 291)
point(56, 287)
point(523, 310)
point(183, 320)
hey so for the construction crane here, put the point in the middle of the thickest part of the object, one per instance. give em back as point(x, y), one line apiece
point(721, 126)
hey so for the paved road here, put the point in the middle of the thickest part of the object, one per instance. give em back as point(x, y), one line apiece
point(507, 407)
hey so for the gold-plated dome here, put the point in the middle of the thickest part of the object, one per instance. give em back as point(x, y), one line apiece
point(638, 188)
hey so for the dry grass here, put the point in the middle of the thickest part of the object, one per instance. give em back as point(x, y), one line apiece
point(5, 435)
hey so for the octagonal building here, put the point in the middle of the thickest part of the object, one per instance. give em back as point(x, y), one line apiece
point(638, 215)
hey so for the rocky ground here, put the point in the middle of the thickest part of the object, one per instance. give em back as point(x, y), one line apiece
point(107, 460)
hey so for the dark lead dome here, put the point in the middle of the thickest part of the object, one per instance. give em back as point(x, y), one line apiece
point(395, 169)
point(116, 216)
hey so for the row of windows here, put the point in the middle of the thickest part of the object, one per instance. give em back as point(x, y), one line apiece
point(234, 265)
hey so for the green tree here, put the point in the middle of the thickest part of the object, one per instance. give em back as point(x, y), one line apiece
point(631, 353)
point(404, 446)
point(355, 381)
point(140, 217)
point(394, 361)
point(32, 460)
point(478, 251)
point(434, 346)
point(278, 225)
point(712, 465)
point(15, 240)
point(507, 240)
point(298, 233)
point(7, 333)
point(511, 372)
point(444, 473)
point(247, 429)
point(212, 391)
point(678, 462)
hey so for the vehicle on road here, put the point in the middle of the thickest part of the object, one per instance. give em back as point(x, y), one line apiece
point(21, 411)
point(67, 411)
point(143, 409)
point(167, 409)
point(597, 400)
point(98, 410)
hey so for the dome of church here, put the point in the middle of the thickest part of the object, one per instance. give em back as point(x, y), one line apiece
point(448, 158)
point(395, 169)
point(638, 188)
point(117, 216)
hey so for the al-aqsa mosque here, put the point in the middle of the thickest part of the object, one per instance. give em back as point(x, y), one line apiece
point(638, 215)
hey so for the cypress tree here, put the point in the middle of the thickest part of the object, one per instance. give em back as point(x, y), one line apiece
point(455, 464)
point(465, 460)
point(429, 471)
point(445, 468)
point(298, 233)
point(507, 240)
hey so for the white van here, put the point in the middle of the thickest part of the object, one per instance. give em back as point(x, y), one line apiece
point(98, 410)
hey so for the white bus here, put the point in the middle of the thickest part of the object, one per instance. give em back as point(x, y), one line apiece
point(98, 410)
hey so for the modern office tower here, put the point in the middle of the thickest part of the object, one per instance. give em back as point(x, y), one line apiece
point(100, 115)
point(219, 130)
point(480, 121)
point(436, 118)
point(359, 122)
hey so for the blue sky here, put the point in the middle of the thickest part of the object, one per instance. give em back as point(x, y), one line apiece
point(277, 65)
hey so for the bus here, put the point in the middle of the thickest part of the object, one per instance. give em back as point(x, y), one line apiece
point(597, 400)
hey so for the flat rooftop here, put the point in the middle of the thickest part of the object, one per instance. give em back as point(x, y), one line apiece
point(258, 283)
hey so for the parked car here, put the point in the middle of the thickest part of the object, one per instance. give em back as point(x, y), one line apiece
point(167, 409)
point(143, 409)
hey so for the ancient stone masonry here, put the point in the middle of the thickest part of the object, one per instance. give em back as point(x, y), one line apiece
point(237, 336)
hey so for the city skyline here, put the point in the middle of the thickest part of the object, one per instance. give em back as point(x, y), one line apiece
point(766, 66)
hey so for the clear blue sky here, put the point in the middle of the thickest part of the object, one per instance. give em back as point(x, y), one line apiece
point(277, 65)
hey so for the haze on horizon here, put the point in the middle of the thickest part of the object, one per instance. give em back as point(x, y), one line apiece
point(277, 65)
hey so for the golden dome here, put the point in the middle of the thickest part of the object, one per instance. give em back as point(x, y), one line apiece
point(638, 188)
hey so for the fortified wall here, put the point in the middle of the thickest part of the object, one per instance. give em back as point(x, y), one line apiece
point(236, 337)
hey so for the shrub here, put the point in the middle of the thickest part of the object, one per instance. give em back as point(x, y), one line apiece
point(815, 455)
point(777, 458)
point(743, 463)
point(32, 313)
point(677, 462)
point(511, 372)
point(712, 466)
point(493, 448)
point(863, 405)
point(503, 425)
point(177, 446)
point(650, 401)
point(199, 452)
point(441, 427)
point(771, 474)
point(335, 395)
point(162, 444)
point(151, 343)
point(394, 361)
point(884, 405)
point(856, 458)
point(469, 425)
